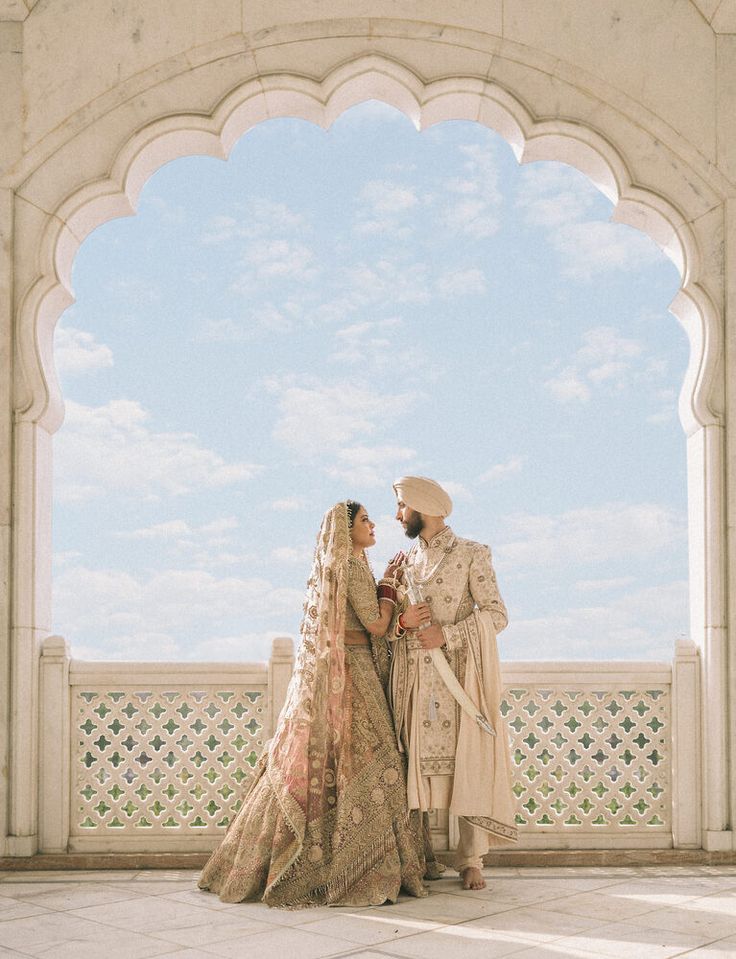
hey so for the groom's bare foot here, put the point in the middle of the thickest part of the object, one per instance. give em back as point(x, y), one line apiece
point(472, 878)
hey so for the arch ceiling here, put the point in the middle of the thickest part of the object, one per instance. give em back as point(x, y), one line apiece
point(321, 102)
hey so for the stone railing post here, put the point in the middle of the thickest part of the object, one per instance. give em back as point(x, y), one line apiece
point(54, 772)
point(280, 668)
point(686, 746)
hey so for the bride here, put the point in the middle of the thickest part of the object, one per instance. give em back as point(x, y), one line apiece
point(325, 820)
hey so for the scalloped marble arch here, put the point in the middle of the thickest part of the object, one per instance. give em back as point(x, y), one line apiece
point(367, 77)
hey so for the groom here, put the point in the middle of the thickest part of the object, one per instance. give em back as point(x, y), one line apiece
point(448, 721)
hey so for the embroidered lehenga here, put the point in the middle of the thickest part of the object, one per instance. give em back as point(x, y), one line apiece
point(325, 821)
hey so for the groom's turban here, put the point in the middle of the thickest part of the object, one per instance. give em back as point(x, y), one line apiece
point(423, 495)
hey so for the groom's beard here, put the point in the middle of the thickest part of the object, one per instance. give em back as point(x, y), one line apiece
point(414, 526)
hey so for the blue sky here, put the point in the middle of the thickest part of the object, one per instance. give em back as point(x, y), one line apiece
point(326, 311)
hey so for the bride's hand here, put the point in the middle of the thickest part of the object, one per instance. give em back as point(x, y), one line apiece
point(416, 616)
point(395, 566)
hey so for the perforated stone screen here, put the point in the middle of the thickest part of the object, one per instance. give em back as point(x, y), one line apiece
point(158, 760)
point(590, 760)
point(162, 762)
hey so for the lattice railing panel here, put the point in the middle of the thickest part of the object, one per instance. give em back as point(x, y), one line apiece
point(588, 760)
point(156, 761)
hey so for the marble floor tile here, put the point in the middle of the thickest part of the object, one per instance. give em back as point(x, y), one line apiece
point(723, 949)
point(695, 922)
point(196, 897)
point(194, 954)
point(36, 934)
point(152, 887)
point(281, 943)
point(623, 940)
point(535, 925)
point(215, 929)
point(457, 942)
point(65, 898)
point(371, 927)
point(143, 914)
point(722, 903)
point(168, 875)
point(530, 890)
point(551, 950)
point(19, 909)
point(287, 917)
point(45, 875)
point(444, 908)
point(119, 945)
point(671, 892)
point(598, 905)
point(28, 891)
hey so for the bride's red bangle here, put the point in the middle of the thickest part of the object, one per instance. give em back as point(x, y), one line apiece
point(401, 624)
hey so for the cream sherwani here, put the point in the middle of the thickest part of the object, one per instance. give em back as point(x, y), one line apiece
point(452, 763)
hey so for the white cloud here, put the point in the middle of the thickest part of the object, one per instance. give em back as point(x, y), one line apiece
point(501, 470)
point(367, 342)
point(220, 229)
point(316, 417)
point(590, 535)
point(65, 556)
point(171, 529)
point(370, 466)
point(276, 259)
point(393, 280)
point(207, 546)
point(266, 318)
point(462, 283)
point(472, 205)
point(371, 113)
point(560, 198)
point(390, 539)
point(291, 504)
point(642, 624)
point(293, 554)
point(605, 343)
point(592, 248)
point(387, 197)
point(76, 351)
point(224, 330)
point(552, 194)
point(168, 602)
point(179, 528)
point(567, 386)
point(606, 357)
point(603, 585)
point(154, 617)
point(111, 448)
point(455, 490)
point(667, 402)
point(248, 647)
point(262, 218)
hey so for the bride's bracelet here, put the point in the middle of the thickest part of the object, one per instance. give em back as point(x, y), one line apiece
point(386, 581)
point(387, 591)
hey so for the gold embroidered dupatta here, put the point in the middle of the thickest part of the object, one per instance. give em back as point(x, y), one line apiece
point(312, 743)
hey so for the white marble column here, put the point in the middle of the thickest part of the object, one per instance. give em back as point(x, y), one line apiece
point(729, 773)
point(54, 751)
point(30, 625)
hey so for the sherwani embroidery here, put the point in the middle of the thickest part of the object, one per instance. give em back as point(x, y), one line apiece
point(456, 577)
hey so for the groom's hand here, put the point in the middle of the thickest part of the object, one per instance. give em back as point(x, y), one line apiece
point(432, 637)
point(419, 614)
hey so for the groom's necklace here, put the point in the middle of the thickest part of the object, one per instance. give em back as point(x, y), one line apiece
point(423, 580)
